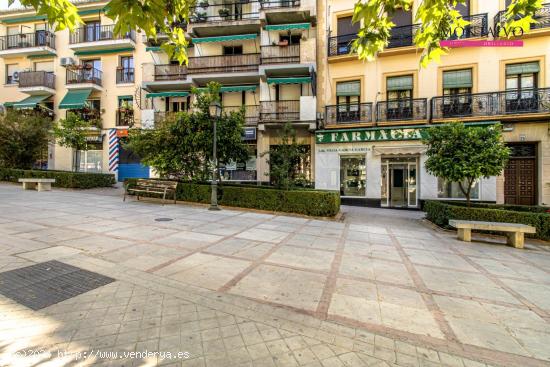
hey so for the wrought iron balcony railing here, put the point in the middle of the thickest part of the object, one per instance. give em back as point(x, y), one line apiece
point(124, 75)
point(281, 54)
point(478, 27)
point(29, 79)
point(223, 63)
point(278, 4)
point(251, 112)
point(26, 40)
point(348, 113)
point(340, 45)
point(170, 72)
point(204, 12)
point(125, 117)
point(280, 110)
point(402, 110)
point(510, 102)
point(542, 16)
point(84, 75)
point(96, 32)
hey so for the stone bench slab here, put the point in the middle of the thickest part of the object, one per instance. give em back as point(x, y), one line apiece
point(39, 184)
point(514, 231)
point(38, 180)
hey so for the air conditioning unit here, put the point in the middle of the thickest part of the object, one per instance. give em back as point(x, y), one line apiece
point(67, 61)
point(15, 76)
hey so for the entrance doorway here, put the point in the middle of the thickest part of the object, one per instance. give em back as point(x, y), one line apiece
point(399, 182)
point(520, 175)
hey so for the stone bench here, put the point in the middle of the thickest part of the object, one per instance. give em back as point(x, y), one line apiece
point(514, 231)
point(39, 184)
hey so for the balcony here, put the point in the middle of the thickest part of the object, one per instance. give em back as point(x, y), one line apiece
point(251, 113)
point(478, 27)
point(402, 110)
point(217, 19)
point(28, 44)
point(280, 111)
point(501, 105)
point(125, 117)
point(37, 82)
point(280, 54)
point(125, 75)
point(83, 78)
point(355, 113)
point(279, 4)
point(224, 64)
point(100, 37)
point(542, 16)
point(170, 72)
point(340, 45)
point(165, 77)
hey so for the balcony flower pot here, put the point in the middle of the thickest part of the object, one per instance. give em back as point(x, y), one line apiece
point(203, 4)
point(283, 43)
point(224, 13)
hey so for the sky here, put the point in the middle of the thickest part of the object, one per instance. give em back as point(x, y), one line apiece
point(4, 5)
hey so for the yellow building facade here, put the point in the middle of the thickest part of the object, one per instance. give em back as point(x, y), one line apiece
point(375, 113)
point(262, 53)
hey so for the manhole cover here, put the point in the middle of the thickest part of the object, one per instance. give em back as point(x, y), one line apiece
point(42, 285)
point(163, 219)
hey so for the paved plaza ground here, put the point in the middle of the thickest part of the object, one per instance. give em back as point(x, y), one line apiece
point(240, 288)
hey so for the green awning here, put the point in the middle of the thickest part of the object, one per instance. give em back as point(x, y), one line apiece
point(75, 99)
point(235, 37)
point(287, 27)
point(153, 48)
point(167, 94)
point(525, 68)
point(295, 80)
point(348, 88)
point(457, 79)
point(125, 98)
point(91, 11)
point(233, 88)
point(30, 18)
point(399, 83)
point(8, 104)
point(107, 51)
point(29, 102)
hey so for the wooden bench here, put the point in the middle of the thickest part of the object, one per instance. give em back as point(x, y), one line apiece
point(39, 184)
point(514, 231)
point(154, 187)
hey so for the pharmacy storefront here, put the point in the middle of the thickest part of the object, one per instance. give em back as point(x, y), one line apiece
point(384, 167)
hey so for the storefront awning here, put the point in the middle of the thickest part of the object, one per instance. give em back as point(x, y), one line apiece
point(295, 80)
point(400, 150)
point(29, 102)
point(75, 99)
point(236, 37)
point(287, 27)
point(167, 94)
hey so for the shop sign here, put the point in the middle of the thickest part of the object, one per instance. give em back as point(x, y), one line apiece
point(94, 138)
point(249, 133)
point(122, 133)
point(352, 136)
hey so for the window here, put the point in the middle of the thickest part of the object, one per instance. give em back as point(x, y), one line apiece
point(345, 26)
point(451, 190)
point(126, 70)
point(463, 8)
point(232, 50)
point(46, 66)
point(348, 97)
point(91, 31)
point(91, 160)
point(12, 73)
point(399, 87)
point(353, 175)
point(12, 31)
point(125, 114)
point(293, 39)
point(457, 87)
point(521, 84)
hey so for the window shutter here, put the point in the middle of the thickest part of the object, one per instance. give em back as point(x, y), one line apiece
point(348, 88)
point(399, 83)
point(525, 68)
point(457, 79)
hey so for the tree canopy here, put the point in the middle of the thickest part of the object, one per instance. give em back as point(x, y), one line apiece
point(152, 17)
point(464, 154)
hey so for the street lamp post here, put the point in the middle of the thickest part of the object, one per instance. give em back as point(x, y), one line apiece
point(215, 111)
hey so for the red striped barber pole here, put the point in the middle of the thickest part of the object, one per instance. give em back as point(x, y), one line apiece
point(113, 151)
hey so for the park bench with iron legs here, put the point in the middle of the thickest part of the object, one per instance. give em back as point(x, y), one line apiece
point(158, 187)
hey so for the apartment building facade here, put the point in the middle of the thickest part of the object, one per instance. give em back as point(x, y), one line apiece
point(261, 52)
point(375, 113)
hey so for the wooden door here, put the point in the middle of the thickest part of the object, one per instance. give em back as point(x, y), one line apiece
point(520, 175)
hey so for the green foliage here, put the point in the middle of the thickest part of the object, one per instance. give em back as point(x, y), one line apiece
point(23, 138)
point(307, 202)
point(516, 208)
point(284, 160)
point(181, 145)
point(73, 180)
point(440, 213)
point(464, 154)
point(71, 131)
point(437, 18)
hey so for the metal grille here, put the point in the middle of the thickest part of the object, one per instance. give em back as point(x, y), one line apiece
point(42, 285)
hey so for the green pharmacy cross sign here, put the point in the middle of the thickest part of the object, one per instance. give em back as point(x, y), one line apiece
point(418, 132)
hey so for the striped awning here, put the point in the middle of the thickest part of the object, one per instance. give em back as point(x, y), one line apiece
point(293, 80)
point(167, 94)
point(287, 27)
point(29, 102)
point(75, 99)
point(236, 37)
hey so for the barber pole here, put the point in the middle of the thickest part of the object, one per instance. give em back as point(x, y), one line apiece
point(113, 151)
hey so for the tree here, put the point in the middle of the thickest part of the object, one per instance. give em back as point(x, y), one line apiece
point(284, 160)
point(169, 17)
point(437, 18)
point(71, 132)
point(181, 145)
point(464, 154)
point(23, 138)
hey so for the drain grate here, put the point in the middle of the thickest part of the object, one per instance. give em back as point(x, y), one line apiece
point(163, 219)
point(42, 285)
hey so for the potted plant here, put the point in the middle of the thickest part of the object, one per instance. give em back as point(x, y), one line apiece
point(201, 17)
point(224, 12)
point(283, 42)
point(203, 4)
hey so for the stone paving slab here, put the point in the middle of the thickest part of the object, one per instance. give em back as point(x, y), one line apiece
point(379, 287)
